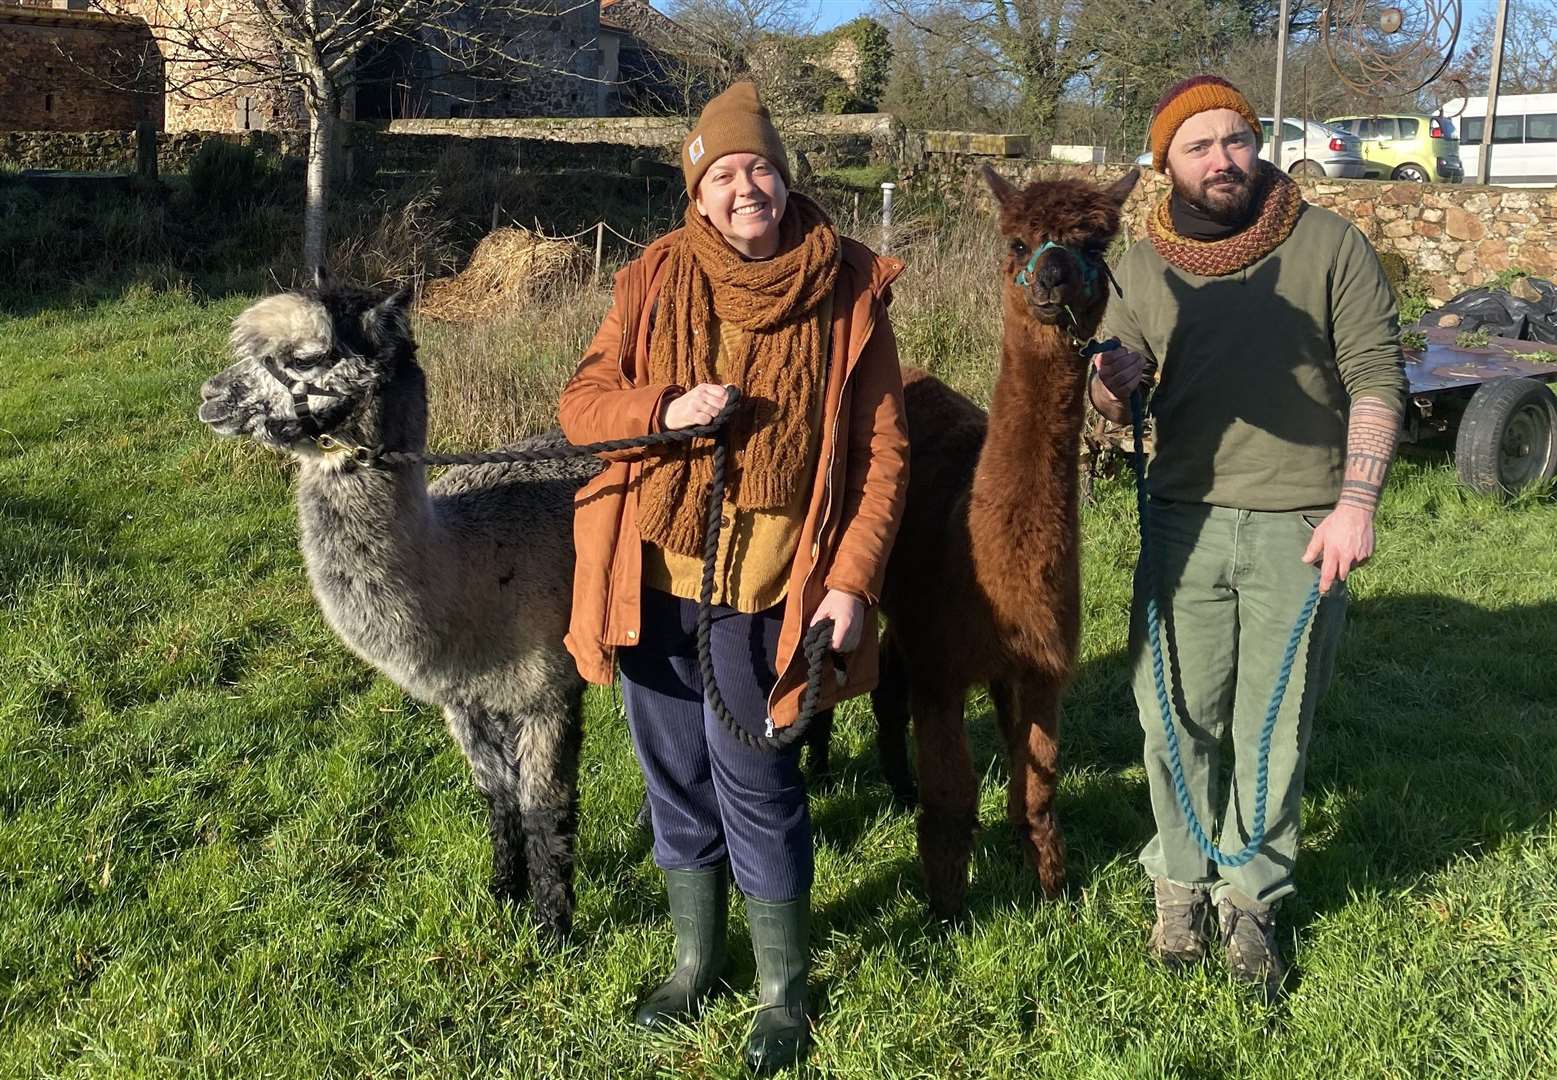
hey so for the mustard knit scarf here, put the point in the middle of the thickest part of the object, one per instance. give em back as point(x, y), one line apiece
point(777, 302)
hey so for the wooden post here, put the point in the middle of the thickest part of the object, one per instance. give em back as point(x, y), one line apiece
point(1281, 76)
point(599, 245)
point(146, 150)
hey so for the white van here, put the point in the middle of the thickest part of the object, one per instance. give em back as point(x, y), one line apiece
point(1524, 138)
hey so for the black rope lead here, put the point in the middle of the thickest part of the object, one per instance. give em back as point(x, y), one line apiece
point(817, 641)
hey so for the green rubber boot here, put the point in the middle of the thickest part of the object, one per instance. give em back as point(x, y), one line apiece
point(699, 904)
point(781, 1033)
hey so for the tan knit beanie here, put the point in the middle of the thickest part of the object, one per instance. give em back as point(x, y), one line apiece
point(1196, 94)
point(735, 122)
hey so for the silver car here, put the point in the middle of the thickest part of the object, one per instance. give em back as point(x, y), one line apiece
point(1315, 149)
point(1308, 149)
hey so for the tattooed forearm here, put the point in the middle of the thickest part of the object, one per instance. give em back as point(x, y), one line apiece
point(1371, 435)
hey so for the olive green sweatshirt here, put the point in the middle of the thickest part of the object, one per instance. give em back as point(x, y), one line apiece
point(1255, 371)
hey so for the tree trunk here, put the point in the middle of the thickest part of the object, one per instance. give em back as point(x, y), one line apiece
point(323, 119)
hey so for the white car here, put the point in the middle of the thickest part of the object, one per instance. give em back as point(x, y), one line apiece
point(1308, 149)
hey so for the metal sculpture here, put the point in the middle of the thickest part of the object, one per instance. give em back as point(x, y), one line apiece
point(1390, 50)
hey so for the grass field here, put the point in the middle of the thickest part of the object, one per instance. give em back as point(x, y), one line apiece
point(228, 849)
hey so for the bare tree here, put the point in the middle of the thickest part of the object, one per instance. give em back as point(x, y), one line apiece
point(730, 40)
point(731, 30)
point(938, 79)
point(314, 50)
point(1529, 49)
point(1037, 47)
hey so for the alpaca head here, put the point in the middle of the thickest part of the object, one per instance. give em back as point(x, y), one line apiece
point(341, 349)
point(1056, 232)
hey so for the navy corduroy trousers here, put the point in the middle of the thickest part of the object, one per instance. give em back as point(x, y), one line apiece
point(712, 797)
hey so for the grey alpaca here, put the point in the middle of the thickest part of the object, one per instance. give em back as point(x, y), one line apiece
point(459, 591)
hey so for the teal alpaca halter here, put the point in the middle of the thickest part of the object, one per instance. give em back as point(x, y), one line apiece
point(1090, 268)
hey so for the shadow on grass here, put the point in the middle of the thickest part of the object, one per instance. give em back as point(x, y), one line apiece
point(1438, 740)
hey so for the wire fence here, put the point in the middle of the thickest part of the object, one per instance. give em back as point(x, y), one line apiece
point(600, 228)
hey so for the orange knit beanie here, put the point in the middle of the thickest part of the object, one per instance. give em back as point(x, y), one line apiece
point(1196, 94)
point(735, 122)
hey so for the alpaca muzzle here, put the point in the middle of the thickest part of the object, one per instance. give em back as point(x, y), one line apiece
point(1044, 279)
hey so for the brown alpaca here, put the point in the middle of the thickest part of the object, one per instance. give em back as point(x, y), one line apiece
point(984, 581)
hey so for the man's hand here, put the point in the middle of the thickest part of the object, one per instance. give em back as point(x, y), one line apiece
point(1342, 542)
point(1119, 372)
point(847, 612)
point(697, 406)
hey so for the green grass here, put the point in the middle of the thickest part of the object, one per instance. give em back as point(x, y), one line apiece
point(228, 849)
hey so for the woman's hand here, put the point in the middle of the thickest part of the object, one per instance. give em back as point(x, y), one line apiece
point(697, 406)
point(847, 612)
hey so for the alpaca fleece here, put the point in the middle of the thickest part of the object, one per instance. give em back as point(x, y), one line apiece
point(1280, 204)
point(457, 590)
point(778, 302)
point(984, 584)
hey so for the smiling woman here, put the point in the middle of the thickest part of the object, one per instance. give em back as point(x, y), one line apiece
point(756, 291)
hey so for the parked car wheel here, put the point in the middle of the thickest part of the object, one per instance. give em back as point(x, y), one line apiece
point(1508, 436)
point(1307, 168)
point(1414, 173)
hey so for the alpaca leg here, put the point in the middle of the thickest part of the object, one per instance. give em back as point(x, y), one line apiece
point(889, 701)
point(1033, 749)
point(948, 814)
point(1002, 696)
point(483, 742)
point(547, 750)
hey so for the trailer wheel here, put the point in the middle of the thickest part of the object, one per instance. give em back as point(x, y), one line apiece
point(1508, 436)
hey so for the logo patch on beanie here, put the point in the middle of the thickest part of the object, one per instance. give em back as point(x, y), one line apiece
point(695, 150)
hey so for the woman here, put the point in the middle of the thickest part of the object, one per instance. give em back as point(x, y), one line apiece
point(756, 290)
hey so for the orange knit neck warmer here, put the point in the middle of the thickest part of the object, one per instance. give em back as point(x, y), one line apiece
point(777, 302)
point(1280, 204)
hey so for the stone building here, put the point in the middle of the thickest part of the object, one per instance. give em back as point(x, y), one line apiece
point(649, 63)
point(66, 69)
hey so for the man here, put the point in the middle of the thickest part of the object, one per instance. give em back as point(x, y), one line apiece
point(1268, 338)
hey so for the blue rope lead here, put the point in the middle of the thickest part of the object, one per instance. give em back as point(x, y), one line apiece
point(1165, 703)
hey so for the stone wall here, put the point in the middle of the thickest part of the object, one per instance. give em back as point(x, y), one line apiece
point(114, 151)
point(76, 71)
point(821, 140)
point(1451, 236)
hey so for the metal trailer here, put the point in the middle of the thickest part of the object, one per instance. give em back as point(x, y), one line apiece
point(1493, 401)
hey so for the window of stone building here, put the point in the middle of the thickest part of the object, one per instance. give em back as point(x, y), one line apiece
point(48, 103)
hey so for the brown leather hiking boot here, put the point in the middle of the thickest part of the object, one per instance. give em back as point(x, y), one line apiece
point(1248, 933)
point(1182, 932)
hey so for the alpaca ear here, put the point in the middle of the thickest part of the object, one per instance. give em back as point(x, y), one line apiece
point(999, 185)
point(1120, 189)
point(387, 318)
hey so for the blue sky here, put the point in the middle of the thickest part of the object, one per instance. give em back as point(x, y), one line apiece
point(832, 12)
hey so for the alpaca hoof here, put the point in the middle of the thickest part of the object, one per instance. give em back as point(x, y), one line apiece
point(553, 929)
point(1051, 876)
point(948, 899)
point(948, 912)
point(905, 796)
point(509, 892)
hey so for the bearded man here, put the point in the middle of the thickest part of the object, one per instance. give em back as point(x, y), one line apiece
point(1266, 334)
